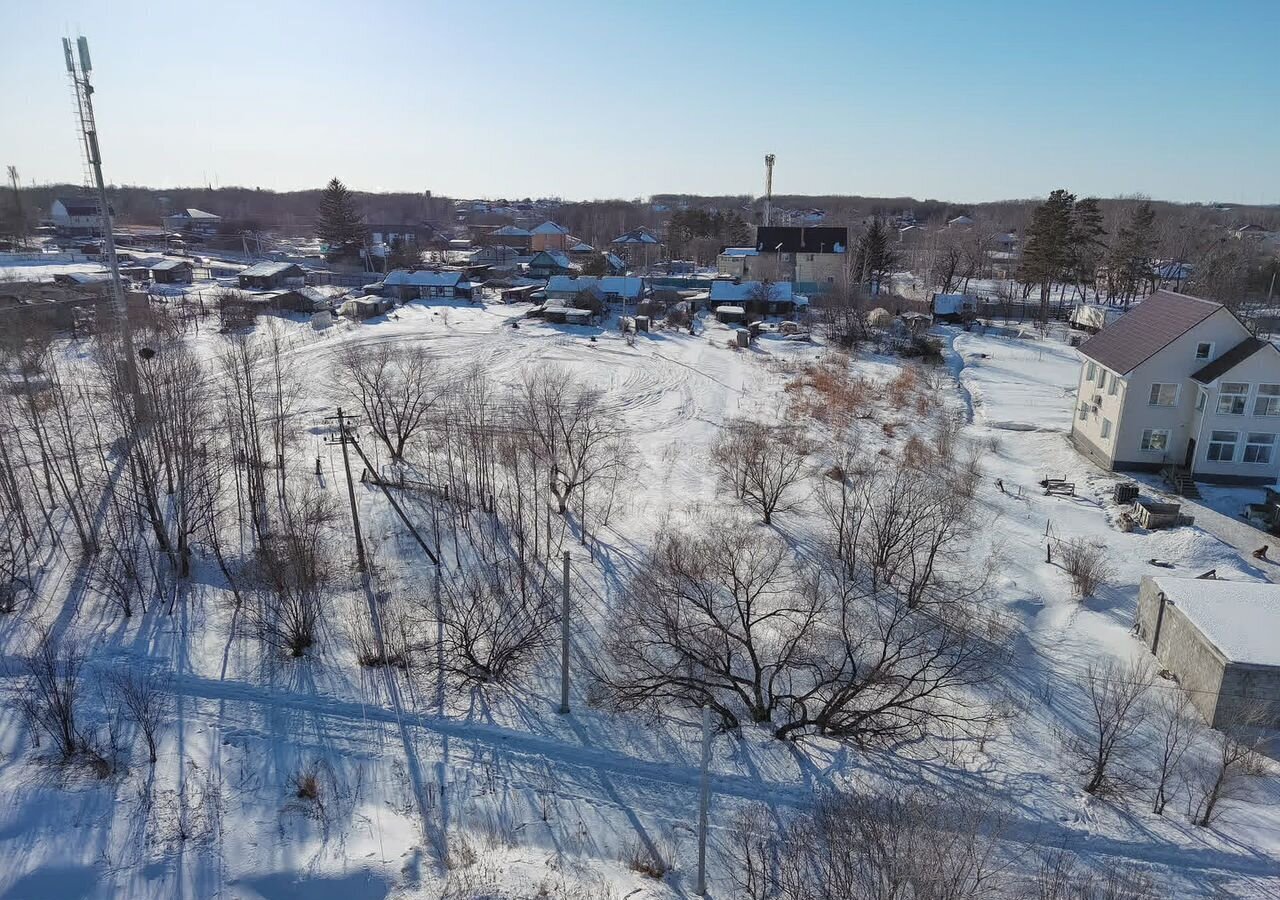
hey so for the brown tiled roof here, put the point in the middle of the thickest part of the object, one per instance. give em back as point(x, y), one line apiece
point(1147, 329)
point(1229, 360)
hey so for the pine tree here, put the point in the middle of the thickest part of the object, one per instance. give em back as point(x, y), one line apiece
point(875, 255)
point(339, 224)
point(1086, 242)
point(1047, 252)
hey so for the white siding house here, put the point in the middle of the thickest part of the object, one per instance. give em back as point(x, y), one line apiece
point(1179, 382)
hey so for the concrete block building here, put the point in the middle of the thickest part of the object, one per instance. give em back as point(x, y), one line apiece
point(1221, 639)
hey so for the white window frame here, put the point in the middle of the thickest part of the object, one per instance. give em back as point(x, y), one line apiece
point(1114, 387)
point(1157, 392)
point(1148, 440)
point(1271, 399)
point(1214, 441)
point(1208, 355)
point(1202, 398)
point(1106, 429)
point(1268, 444)
point(1090, 370)
point(1228, 400)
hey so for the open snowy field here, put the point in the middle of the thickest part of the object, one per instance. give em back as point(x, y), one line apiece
point(408, 769)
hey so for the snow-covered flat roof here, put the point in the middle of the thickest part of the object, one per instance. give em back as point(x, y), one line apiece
point(1240, 618)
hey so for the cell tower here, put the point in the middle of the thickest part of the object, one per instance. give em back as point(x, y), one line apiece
point(768, 186)
point(78, 68)
point(19, 217)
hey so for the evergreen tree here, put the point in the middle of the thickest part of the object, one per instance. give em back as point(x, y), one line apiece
point(339, 223)
point(875, 256)
point(1047, 252)
point(1086, 244)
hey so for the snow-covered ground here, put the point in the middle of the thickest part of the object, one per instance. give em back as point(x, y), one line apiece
point(542, 799)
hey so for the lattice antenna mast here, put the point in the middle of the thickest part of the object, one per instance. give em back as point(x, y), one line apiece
point(19, 216)
point(78, 68)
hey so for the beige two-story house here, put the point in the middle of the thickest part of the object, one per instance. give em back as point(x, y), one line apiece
point(1180, 382)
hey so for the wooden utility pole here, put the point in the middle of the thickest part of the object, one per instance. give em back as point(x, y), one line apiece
point(704, 801)
point(564, 640)
point(435, 560)
point(343, 439)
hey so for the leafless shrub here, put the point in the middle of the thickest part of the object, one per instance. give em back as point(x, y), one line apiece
point(1114, 707)
point(1060, 877)
point(394, 626)
point(1177, 729)
point(1088, 564)
point(490, 630)
point(899, 845)
point(50, 698)
point(306, 784)
point(144, 700)
point(294, 570)
point(762, 463)
point(645, 860)
point(1227, 775)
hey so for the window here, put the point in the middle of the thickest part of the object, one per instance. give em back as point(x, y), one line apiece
point(1268, 400)
point(1257, 447)
point(1164, 395)
point(1090, 371)
point(1114, 386)
point(1106, 429)
point(1232, 397)
point(1222, 446)
point(1084, 411)
point(1204, 350)
point(1102, 376)
point(1155, 440)
point(1201, 397)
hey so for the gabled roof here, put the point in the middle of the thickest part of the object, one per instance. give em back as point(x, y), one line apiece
point(794, 239)
point(267, 269)
point(424, 278)
point(617, 285)
point(1229, 360)
point(512, 231)
point(82, 206)
point(731, 291)
point(635, 236)
point(168, 265)
point(739, 251)
point(1152, 325)
point(550, 228)
point(556, 256)
point(192, 213)
point(582, 247)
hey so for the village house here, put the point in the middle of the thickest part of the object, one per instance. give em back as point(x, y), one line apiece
point(1218, 638)
point(508, 236)
point(758, 297)
point(547, 263)
point(737, 262)
point(1179, 384)
point(190, 221)
point(497, 257)
point(549, 236)
point(426, 284)
point(78, 216)
point(611, 288)
point(172, 271)
point(271, 276)
point(815, 256)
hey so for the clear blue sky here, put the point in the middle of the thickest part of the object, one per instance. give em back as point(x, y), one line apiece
point(962, 100)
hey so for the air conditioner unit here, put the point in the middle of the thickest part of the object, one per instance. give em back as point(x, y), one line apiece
point(1097, 400)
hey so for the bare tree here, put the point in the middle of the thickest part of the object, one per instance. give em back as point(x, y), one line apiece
point(1177, 729)
point(762, 463)
point(1236, 760)
point(143, 698)
point(294, 569)
point(50, 698)
point(1114, 696)
point(727, 618)
point(396, 387)
point(490, 629)
point(576, 438)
